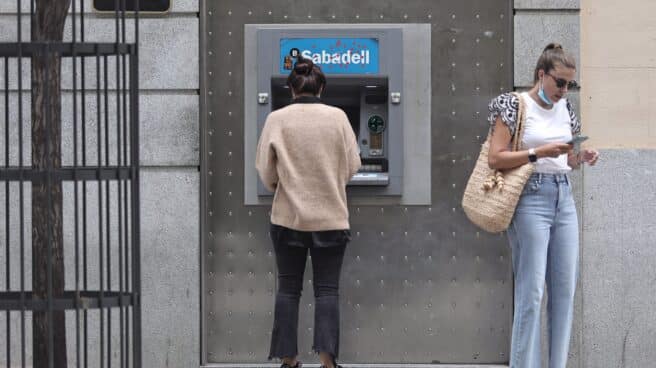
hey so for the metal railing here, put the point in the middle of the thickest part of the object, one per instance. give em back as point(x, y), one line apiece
point(75, 276)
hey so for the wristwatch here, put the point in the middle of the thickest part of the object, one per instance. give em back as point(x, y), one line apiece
point(532, 156)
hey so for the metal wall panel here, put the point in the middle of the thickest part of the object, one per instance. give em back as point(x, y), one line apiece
point(420, 284)
point(414, 141)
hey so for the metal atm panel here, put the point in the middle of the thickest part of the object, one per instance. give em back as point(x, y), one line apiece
point(419, 285)
point(364, 94)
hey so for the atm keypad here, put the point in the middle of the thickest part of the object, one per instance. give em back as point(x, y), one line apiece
point(371, 168)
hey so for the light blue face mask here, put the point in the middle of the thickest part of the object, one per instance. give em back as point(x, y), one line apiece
point(544, 97)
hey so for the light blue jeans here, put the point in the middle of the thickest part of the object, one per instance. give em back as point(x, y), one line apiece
point(544, 237)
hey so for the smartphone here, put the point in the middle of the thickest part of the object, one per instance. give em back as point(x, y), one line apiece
point(577, 140)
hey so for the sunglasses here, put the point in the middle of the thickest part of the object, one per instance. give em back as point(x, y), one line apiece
point(560, 82)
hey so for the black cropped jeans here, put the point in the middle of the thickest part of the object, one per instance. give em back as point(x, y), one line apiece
point(291, 249)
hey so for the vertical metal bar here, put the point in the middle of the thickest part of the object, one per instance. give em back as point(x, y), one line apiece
point(134, 158)
point(119, 144)
point(106, 112)
point(124, 184)
point(7, 214)
point(107, 217)
point(31, 16)
point(84, 186)
point(76, 194)
point(100, 218)
point(51, 336)
point(120, 250)
point(136, 232)
point(20, 182)
point(73, 23)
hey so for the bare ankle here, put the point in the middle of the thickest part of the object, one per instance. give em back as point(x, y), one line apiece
point(292, 362)
point(327, 360)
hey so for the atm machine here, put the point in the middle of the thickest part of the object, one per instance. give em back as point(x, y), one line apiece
point(364, 100)
point(364, 73)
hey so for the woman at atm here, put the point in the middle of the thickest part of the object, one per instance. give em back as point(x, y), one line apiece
point(306, 155)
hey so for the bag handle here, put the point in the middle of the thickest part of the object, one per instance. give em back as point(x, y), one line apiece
point(521, 120)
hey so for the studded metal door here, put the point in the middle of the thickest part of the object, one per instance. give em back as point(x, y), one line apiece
point(419, 284)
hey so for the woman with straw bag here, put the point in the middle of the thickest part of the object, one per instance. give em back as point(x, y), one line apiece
point(543, 233)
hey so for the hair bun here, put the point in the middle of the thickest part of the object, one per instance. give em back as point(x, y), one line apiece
point(553, 46)
point(303, 66)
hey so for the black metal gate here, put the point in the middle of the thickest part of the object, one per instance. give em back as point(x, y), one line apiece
point(70, 206)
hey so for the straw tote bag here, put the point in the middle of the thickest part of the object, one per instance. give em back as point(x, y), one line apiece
point(491, 196)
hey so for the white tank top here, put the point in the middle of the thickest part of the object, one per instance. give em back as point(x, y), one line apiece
point(547, 126)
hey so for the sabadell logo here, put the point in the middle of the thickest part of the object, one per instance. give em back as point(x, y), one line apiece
point(347, 57)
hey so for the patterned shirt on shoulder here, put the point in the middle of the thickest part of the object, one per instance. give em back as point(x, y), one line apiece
point(506, 106)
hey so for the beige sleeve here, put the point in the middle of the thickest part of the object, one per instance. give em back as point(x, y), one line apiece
point(265, 158)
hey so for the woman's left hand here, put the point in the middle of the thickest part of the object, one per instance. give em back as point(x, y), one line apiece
point(589, 156)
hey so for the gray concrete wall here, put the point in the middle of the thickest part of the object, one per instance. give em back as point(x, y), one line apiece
point(170, 182)
point(619, 253)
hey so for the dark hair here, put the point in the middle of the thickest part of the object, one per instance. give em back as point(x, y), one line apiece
point(306, 77)
point(552, 55)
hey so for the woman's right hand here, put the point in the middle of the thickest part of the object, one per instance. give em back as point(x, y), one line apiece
point(553, 149)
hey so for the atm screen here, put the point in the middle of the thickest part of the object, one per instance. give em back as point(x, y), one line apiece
point(353, 114)
point(341, 92)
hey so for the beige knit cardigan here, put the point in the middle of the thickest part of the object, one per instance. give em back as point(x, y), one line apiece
point(306, 154)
